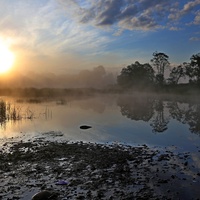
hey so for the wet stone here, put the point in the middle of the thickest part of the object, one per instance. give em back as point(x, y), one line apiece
point(45, 195)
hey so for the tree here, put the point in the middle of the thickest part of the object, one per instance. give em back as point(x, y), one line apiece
point(136, 75)
point(160, 61)
point(177, 73)
point(193, 69)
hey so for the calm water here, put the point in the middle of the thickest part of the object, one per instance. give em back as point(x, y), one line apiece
point(130, 119)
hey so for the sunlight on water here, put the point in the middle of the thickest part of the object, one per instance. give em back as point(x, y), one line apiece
point(124, 119)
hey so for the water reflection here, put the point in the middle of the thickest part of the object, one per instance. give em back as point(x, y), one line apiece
point(107, 114)
point(158, 112)
point(160, 120)
point(13, 113)
point(136, 108)
point(187, 114)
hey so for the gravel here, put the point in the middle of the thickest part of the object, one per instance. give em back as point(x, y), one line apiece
point(67, 170)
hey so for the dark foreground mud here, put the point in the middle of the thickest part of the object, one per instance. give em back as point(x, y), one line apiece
point(94, 171)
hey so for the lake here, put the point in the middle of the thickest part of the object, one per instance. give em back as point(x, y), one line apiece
point(133, 119)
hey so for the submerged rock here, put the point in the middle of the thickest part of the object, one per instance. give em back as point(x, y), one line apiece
point(45, 195)
point(85, 127)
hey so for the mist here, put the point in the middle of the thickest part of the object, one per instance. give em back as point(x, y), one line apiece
point(97, 77)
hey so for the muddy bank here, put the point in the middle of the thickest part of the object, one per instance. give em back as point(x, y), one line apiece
point(95, 171)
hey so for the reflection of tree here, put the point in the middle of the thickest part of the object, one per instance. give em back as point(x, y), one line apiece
point(177, 111)
point(95, 104)
point(189, 114)
point(159, 113)
point(192, 118)
point(159, 123)
point(136, 108)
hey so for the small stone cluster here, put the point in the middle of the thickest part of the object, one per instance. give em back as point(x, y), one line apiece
point(95, 171)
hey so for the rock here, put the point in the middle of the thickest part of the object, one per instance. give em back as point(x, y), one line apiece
point(85, 127)
point(163, 157)
point(172, 176)
point(45, 195)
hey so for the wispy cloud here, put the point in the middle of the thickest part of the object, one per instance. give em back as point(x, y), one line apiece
point(73, 24)
point(195, 39)
point(197, 18)
point(130, 14)
point(44, 28)
point(87, 28)
point(174, 28)
point(189, 7)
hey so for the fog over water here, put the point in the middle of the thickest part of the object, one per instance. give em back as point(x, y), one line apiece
point(130, 119)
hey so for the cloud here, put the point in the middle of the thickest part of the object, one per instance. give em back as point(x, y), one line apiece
point(173, 28)
point(195, 39)
point(129, 14)
point(126, 14)
point(42, 27)
point(188, 7)
point(197, 18)
point(176, 13)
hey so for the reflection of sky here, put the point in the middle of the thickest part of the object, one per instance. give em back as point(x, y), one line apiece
point(108, 124)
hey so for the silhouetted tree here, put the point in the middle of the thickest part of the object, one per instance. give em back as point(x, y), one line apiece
point(160, 61)
point(177, 73)
point(136, 75)
point(100, 70)
point(193, 70)
point(97, 78)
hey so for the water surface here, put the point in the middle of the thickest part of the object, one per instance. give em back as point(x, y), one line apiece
point(130, 119)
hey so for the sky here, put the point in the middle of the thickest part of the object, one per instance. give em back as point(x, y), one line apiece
point(66, 36)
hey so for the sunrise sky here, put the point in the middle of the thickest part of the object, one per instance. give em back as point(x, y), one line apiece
point(64, 36)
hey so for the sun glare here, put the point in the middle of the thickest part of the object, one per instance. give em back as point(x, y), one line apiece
point(6, 58)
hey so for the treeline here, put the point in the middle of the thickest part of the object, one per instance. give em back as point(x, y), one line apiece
point(32, 92)
point(148, 77)
point(45, 92)
point(97, 77)
point(152, 76)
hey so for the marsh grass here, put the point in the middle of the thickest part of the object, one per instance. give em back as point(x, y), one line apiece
point(10, 112)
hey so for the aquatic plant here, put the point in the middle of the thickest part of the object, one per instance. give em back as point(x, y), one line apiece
point(2, 111)
point(8, 112)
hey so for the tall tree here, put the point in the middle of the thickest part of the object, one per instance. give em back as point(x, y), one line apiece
point(177, 73)
point(160, 61)
point(193, 70)
point(136, 75)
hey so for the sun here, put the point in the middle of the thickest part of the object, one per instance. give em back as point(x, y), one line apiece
point(6, 58)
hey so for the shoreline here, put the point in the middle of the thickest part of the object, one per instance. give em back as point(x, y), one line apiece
point(96, 171)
